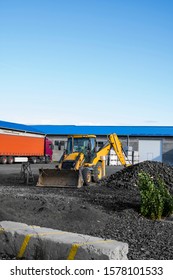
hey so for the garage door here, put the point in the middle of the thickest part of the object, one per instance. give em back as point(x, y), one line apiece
point(150, 150)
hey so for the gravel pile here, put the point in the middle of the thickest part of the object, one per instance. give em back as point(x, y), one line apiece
point(128, 177)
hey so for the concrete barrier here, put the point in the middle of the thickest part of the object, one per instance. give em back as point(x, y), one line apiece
point(33, 242)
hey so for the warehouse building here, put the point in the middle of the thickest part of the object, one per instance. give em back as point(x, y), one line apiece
point(143, 142)
point(139, 142)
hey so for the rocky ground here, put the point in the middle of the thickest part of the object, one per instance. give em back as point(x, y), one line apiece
point(109, 209)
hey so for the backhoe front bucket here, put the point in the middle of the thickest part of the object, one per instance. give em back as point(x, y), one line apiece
point(59, 178)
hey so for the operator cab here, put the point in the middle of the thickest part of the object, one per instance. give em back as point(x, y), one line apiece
point(82, 144)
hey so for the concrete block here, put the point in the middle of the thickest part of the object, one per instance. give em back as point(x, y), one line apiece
point(113, 162)
point(129, 157)
point(136, 161)
point(112, 152)
point(33, 242)
point(113, 158)
point(128, 148)
point(136, 157)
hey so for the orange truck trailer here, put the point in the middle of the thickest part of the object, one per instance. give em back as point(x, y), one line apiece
point(23, 147)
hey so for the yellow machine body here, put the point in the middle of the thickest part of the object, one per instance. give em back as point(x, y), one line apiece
point(81, 163)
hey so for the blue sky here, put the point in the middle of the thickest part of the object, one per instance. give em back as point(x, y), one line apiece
point(84, 62)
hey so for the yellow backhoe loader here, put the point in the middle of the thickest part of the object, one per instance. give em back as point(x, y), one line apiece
point(81, 163)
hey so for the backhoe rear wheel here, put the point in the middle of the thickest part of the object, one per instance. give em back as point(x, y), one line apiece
point(86, 173)
point(97, 172)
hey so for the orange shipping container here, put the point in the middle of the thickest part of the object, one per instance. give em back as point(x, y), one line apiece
point(19, 145)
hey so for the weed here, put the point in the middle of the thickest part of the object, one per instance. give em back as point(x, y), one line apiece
point(156, 201)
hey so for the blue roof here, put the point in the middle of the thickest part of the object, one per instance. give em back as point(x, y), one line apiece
point(19, 127)
point(105, 130)
point(97, 130)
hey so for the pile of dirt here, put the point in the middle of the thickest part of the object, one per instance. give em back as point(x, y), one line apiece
point(128, 177)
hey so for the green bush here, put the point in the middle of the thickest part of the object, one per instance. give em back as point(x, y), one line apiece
point(156, 201)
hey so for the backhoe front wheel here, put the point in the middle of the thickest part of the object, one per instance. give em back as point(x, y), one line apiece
point(97, 172)
point(86, 173)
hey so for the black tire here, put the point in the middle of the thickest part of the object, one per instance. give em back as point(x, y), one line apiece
point(3, 159)
point(47, 159)
point(97, 172)
point(10, 160)
point(86, 173)
point(33, 160)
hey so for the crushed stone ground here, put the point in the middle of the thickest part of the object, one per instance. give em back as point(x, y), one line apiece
point(109, 209)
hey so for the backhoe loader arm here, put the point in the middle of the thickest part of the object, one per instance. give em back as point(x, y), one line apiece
point(113, 142)
point(117, 146)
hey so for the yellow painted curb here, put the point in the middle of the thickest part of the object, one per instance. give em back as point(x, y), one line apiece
point(75, 247)
point(28, 237)
point(73, 252)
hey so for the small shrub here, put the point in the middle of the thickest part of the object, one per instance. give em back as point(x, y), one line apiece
point(156, 201)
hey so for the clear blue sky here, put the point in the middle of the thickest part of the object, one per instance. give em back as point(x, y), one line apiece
point(100, 62)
